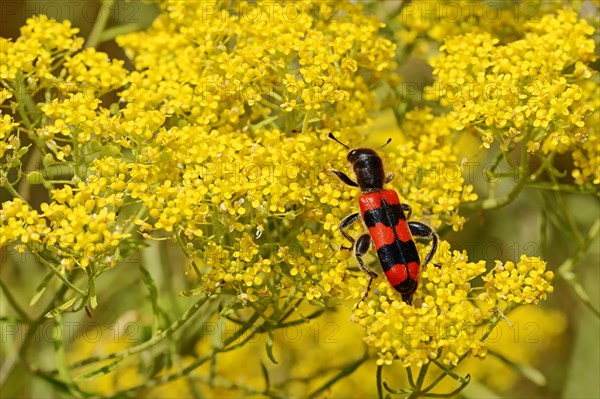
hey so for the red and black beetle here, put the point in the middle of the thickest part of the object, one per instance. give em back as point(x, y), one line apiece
point(383, 215)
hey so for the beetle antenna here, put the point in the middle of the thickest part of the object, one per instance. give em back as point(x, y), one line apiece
point(386, 143)
point(331, 136)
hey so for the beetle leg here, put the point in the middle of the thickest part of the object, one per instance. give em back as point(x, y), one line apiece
point(407, 210)
point(421, 230)
point(344, 177)
point(344, 224)
point(389, 177)
point(361, 247)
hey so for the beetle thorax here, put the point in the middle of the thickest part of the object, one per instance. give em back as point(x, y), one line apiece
point(368, 169)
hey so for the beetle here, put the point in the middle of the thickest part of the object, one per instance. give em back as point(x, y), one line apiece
point(384, 216)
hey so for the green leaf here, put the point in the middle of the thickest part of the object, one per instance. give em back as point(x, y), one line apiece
point(477, 390)
point(194, 292)
point(129, 247)
point(61, 309)
point(266, 375)
point(344, 372)
point(22, 151)
point(41, 288)
point(532, 374)
point(584, 361)
point(61, 361)
point(529, 372)
point(153, 291)
point(12, 320)
point(93, 297)
point(269, 344)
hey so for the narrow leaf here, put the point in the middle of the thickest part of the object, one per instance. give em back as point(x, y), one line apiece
point(93, 297)
point(270, 342)
point(532, 374)
point(344, 372)
point(41, 288)
point(153, 291)
point(194, 292)
point(12, 320)
point(266, 375)
point(62, 308)
point(477, 390)
point(61, 361)
point(529, 372)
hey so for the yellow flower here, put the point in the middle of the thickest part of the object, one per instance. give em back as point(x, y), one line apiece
point(526, 282)
point(423, 24)
point(250, 75)
point(440, 325)
point(95, 72)
point(524, 89)
point(8, 139)
point(218, 142)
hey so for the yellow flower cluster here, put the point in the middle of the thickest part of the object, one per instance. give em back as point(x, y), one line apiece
point(535, 89)
point(526, 282)
point(586, 156)
point(218, 141)
point(77, 227)
point(430, 171)
point(442, 324)
point(424, 24)
point(75, 116)
point(205, 64)
point(533, 332)
point(20, 222)
point(9, 140)
point(95, 70)
point(32, 55)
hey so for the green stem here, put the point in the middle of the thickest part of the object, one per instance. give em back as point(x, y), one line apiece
point(34, 159)
point(566, 188)
point(565, 270)
point(420, 379)
point(62, 277)
point(147, 344)
point(344, 372)
point(569, 217)
point(23, 103)
point(111, 33)
point(9, 187)
point(543, 226)
point(495, 203)
point(141, 213)
point(250, 324)
point(31, 333)
point(447, 370)
point(267, 121)
point(60, 358)
point(379, 382)
point(305, 122)
point(100, 24)
point(411, 380)
point(14, 303)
